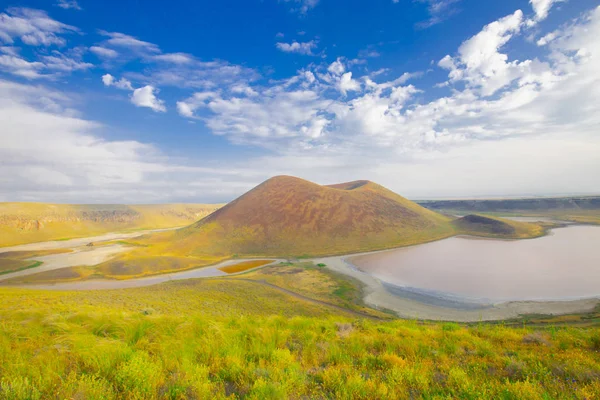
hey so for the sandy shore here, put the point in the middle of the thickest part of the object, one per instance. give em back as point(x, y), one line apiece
point(79, 257)
point(71, 243)
point(105, 284)
point(376, 295)
point(81, 254)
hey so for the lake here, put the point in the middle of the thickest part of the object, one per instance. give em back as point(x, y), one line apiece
point(563, 265)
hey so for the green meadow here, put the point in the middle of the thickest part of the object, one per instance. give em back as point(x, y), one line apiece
point(235, 338)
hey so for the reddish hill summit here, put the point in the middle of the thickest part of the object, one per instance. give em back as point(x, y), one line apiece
point(287, 216)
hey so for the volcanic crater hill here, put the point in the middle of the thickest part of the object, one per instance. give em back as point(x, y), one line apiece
point(288, 216)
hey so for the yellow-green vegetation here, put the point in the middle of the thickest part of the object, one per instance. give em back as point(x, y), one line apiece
point(219, 338)
point(244, 266)
point(317, 283)
point(36, 222)
point(584, 217)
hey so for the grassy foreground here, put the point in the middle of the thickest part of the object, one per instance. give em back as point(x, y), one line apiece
point(234, 338)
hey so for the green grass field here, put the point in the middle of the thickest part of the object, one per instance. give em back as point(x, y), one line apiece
point(236, 338)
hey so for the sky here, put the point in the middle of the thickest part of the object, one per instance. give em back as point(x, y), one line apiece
point(157, 102)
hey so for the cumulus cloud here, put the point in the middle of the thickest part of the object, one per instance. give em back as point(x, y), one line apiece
point(497, 116)
point(347, 84)
point(32, 27)
point(141, 97)
point(337, 67)
point(145, 97)
point(542, 8)
point(297, 47)
point(386, 121)
point(122, 83)
point(479, 61)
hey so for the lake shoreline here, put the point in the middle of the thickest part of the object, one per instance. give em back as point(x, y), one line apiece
point(376, 295)
point(416, 303)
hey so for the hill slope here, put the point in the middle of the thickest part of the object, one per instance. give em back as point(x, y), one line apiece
point(480, 225)
point(35, 222)
point(485, 225)
point(287, 216)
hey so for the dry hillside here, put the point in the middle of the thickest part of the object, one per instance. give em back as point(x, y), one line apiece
point(34, 222)
point(290, 216)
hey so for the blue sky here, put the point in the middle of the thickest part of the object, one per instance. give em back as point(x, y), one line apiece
point(199, 101)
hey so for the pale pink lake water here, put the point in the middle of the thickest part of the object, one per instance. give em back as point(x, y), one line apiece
point(563, 265)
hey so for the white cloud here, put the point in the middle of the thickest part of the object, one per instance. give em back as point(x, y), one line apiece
point(544, 40)
point(336, 67)
point(196, 74)
point(109, 80)
point(347, 84)
point(122, 40)
point(65, 151)
point(501, 127)
point(68, 4)
point(32, 27)
point(385, 121)
point(542, 8)
point(69, 160)
point(297, 47)
point(104, 52)
point(242, 88)
point(439, 11)
point(175, 58)
point(47, 66)
point(186, 108)
point(479, 61)
point(145, 97)
point(59, 62)
point(21, 67)
point(276, 116)
point(169, 69)
point(10, 50)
